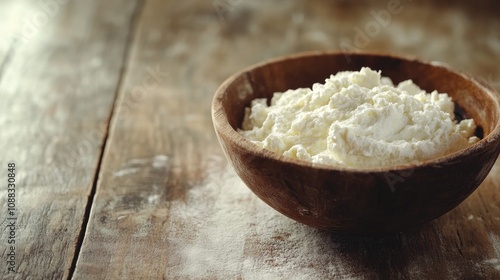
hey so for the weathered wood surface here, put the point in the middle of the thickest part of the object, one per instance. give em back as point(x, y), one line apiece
point(162, 145)
point(60, 69)
point(165, 204)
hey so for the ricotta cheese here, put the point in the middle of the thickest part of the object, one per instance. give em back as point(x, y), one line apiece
point(358, 119)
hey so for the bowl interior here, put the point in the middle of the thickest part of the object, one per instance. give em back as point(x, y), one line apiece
point(474, 100)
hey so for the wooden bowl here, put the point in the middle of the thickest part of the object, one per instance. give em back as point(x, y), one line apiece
point(345, 199)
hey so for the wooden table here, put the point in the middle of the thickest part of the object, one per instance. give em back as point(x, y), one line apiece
point(105, 112)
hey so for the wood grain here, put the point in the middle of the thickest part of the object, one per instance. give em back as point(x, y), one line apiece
point(161, 144)
point(58, 84)
point(158, 147)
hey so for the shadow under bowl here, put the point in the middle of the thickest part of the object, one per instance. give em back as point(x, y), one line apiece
point(343, 199)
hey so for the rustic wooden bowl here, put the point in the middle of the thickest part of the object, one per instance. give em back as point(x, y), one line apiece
point(345, 199)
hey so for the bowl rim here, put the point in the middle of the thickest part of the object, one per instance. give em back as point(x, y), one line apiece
point(221, 122)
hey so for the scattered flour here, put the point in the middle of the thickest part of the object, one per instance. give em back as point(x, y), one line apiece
point(126, 171)
point(153, 199)
point(495, 242)
point(160, 161)
point(135, 165)
point(138, 161)
point(223, 231)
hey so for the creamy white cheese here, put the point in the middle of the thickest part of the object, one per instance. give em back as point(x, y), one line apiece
point(358, 119)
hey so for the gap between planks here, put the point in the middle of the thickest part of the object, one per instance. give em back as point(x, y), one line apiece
point(8, 57)
point(90, 201)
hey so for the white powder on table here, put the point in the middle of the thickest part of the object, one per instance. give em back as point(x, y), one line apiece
point(358, 119)
point(223, 231)
point(495, 242)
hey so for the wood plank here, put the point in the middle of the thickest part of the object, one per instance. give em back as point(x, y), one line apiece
point(57, 89)
point(168, 206)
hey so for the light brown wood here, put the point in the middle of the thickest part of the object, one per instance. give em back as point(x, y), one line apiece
point(159, 145)
point(58, 83)
point(164, 190)
point(132, 230)
point(346, 199)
